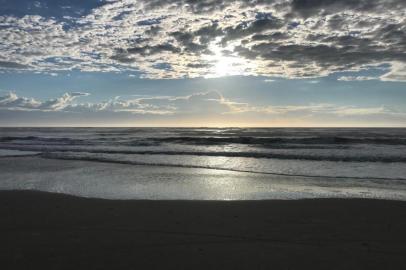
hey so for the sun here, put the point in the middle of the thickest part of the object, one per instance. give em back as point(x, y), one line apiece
point(224, 65)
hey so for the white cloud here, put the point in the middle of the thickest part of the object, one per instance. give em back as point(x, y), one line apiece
point(201, 103)
point(361, 111)
point(205, 102)
point(12, 102)
point(61, 102)
point(183, 38)
point(397, 73)
point(201, 108)
point(356, 78)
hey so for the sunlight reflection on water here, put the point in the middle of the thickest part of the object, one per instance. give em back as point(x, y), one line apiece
point(117, 181)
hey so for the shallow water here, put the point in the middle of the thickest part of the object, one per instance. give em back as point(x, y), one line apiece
point(348, 161)
point(121, 181)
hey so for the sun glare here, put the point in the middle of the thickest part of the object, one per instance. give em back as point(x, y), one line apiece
point(225, 65)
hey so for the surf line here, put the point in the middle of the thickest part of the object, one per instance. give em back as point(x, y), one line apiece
point(127, 162)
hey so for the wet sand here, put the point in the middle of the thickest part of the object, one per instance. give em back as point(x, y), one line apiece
point(52, 231)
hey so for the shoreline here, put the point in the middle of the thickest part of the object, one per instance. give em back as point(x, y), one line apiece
point(122, 181)
point(56, 231)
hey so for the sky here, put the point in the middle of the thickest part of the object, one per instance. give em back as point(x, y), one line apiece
point(268, 63)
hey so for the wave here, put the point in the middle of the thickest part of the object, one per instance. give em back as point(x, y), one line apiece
point(281, 140)
point(262, 155)
point(221, 140)
point(242, 154)
point(128, 162)
point(36, 140)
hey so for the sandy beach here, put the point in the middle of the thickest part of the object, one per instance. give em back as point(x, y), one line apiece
point(53, 231)
point(202, 134)
point(73, 214)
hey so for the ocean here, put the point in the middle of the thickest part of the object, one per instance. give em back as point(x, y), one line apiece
point(183, 163)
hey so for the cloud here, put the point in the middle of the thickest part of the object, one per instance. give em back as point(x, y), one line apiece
point(353, 111)
point(12, 65)
point(200, 103)
point(261, 23)
point(397, 73)
point(356, 78)
point(205, 102)
point(11, 101)
point(285, 38)
point(308, 8)
point(62, 102)
point(312, 109)
point(200, 108)
point(211, 102)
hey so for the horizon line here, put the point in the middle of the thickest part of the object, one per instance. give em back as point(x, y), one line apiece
point(163, 126)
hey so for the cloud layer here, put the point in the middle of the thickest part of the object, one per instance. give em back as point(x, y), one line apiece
point(12, 102)
point(199, 108)
point(188, 38)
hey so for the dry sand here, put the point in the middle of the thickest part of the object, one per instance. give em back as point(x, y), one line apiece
point(52, 231)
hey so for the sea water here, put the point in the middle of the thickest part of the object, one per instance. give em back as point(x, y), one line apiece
point(240, 163)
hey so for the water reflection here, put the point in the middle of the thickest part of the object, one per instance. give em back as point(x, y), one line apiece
point(117, 181)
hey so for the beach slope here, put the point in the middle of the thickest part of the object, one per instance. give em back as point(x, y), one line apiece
point(53, 231)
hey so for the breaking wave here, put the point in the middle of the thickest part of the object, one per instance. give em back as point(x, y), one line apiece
point(196, 140)
point(293, 155)
point(167, 164)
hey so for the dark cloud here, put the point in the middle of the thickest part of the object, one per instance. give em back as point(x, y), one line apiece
point(324, 55)
point(392, 34)
point(259, 25)
point(187, 41)
point(125, 55)
point(198, 65)
point(348, 40)
point(314, 36)
point(198, 41)
point(209, 33)
point(153, 30)
point(308, 8)
point(13, 65)
point(271, 37)
point(122, 57)
point(162, 66)
point(153, 49)
point(197, 6)
point(205, 6)
point(49, 8)
point(150, 21)
point(302, 7)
